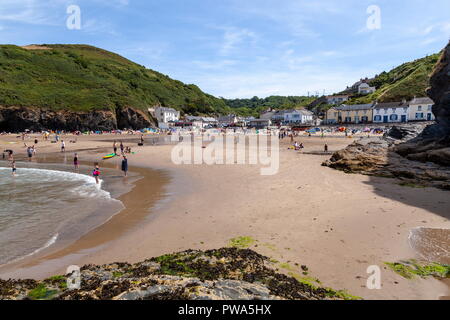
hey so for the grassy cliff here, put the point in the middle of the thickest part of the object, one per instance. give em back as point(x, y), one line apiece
point(85, 78)
point(403, 82)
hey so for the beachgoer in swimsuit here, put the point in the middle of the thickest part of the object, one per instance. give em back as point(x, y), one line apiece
point(96, 173)
point(75, 161)
point(63, 146)
point(125, 165)
point(13, 167)
point(115, 147)
point(30, 152)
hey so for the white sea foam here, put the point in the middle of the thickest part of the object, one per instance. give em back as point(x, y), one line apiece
point(38, 207)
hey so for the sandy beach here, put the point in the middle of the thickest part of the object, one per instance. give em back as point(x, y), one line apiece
point(336, 224)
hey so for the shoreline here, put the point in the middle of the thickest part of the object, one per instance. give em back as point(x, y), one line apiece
point(306, 215)
point(35, 265)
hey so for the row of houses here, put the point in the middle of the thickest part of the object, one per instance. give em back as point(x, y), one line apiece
point(418, 109)
point(168, 117)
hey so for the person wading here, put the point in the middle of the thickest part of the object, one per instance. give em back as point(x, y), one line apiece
point(125, 166)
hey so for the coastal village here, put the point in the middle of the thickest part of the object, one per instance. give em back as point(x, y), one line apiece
point(338, 111)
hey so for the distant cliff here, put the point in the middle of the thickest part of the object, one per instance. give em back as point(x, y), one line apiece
point(83, 87)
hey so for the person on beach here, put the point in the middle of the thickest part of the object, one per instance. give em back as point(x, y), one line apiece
point(326, 148)
point(63, 146)
point(121, 147)
point(125, 166)
point(75, 161)
point(142, 139)
point(115, 147)
point(30, 151)
point(13, 167)
point(96, 173)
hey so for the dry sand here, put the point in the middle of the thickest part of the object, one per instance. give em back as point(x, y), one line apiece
point(336, 224)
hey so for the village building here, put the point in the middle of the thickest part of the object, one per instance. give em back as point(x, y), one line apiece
point(164, 116)
point(365, 89)
point(360, 113)
point(391, 112)
point(337, 99)
point(201, 122)
point(228, 120)
point(260, 123)
point(421, 109)
point(301, 116)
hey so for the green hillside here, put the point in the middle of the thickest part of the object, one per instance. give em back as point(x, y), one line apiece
point(404, 82)
point(85, 78)
point(255, 105)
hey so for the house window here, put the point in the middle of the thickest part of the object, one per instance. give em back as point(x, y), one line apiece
point(385, 110)
point(419, 116)
point(429, 108)
point(377, 118)
point(394, 117)
point(419, 108)
point(378, 110)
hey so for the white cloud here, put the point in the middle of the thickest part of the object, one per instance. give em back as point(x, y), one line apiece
point(234, 37)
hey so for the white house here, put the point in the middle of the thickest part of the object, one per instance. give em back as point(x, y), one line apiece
point(228, 120)
point(365, 89)
point(301, 116)
point(391, 112)
point(201, 122)
point(166, 115)
point(260, 123)
point(337, 99)
point(421, 109)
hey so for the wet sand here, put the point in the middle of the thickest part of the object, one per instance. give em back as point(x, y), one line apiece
point(336, 224)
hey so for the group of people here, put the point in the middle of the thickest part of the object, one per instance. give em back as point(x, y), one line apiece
point(31, 151)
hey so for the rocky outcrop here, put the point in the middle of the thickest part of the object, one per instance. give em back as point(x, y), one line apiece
point(433, 144)
point(440, 90)
point(377, 157)
point(224, 274)
point(17, 119)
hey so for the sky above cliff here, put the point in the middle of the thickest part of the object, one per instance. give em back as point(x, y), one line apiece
point(242, 48)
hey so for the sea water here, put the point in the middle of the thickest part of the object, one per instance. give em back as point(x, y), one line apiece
point(40, 206)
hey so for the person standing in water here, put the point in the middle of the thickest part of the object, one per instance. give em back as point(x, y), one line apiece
point(63, 146)
point(115, 147)
point(13, 167)
point(125, 166)
point(30, 151)
point(96, 173)
point(121, 147)
point(75, 161)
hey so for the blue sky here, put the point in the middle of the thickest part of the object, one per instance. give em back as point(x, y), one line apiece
point(243, 48)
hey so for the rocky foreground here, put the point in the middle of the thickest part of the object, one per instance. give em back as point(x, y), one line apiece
point(224, 274)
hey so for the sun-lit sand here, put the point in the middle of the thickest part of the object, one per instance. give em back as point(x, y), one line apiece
point(336, 224)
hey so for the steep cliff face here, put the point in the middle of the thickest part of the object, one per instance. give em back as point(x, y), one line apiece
point(16, 119)
point(440, 90)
